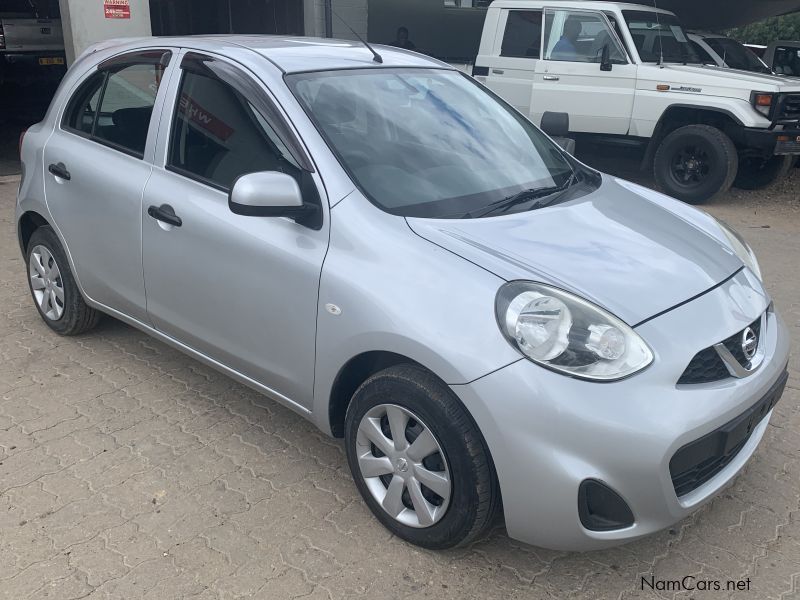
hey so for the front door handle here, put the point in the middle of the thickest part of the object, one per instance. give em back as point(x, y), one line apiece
point(550, 77)
point(498, 71)
point(166, 214)
point(60, 171)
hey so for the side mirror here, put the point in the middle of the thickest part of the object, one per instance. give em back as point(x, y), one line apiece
point(268, 194)
point(605, 59)
point(555, 124)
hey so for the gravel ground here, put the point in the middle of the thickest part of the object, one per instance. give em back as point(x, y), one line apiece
point(128, 470)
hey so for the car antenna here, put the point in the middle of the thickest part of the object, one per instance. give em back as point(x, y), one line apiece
point(660, 42)
point(375, 56)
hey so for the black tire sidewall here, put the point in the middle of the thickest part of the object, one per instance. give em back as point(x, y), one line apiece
point(435, 406)
point(722, 154)
point(752, 176)
point(76, 312)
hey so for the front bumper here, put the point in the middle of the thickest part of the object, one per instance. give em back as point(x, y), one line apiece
point(548, 433)
point(771, 141)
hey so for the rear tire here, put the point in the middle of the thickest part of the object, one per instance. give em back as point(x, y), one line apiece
point(53, 288)
point(755, 173)
point(695, 163)
point(409, 404)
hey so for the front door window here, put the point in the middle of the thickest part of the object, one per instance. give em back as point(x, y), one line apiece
point(580, 36)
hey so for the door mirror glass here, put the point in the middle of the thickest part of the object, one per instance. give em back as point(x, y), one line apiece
point(267, 194)
point(580, 36)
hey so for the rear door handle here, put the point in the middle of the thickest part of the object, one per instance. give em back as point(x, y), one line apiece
point(550, 77)
point(166, 214)
point(498, 71)
point(60, 171)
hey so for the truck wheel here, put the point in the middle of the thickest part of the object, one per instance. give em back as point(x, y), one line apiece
point(695, 163)
point(756, 173)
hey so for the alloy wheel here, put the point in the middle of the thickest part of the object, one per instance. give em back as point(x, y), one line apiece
point(46, 283)
point(691, 165)
point(403, 465)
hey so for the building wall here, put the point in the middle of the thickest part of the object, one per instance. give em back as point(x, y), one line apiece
point(84, 23)
point(354, 12)
point(446, 32)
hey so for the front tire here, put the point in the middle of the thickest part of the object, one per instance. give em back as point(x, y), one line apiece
point(757, 173)
point(53, 288)
point(418, 459)
point(695, 163)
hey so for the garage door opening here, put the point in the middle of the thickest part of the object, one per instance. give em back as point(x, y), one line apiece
point(189, 17)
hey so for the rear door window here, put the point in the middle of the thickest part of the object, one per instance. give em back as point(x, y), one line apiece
point(114, 106)
point(523, 34)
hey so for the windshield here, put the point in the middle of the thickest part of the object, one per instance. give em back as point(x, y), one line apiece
point(428, 142)
point(736, 56)
point(654, 33)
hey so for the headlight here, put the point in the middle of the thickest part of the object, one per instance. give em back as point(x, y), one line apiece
point(741, 248)
point(762, 102)
point(566, 333)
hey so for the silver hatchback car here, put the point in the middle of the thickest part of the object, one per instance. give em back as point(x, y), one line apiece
point(386, 247)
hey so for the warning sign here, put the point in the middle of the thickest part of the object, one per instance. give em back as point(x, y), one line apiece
point(117, 9)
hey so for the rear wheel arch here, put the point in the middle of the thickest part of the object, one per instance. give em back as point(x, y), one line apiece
point(28, 223)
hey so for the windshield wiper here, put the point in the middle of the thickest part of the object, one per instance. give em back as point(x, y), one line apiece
point(543, 196)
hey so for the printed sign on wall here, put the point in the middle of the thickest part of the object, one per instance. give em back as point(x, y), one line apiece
point(117, 9)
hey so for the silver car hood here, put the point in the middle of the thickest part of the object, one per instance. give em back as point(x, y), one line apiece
point(634, 252)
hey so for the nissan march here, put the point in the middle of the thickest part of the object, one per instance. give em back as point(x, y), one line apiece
point(375, 240)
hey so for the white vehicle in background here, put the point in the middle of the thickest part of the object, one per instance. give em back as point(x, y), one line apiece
point(722, 51)
point(627, 73)
point(783, 57)
point(31, 46)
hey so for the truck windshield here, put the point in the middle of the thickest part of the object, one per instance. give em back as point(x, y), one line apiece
point(428, 142)
point(659, 33)
point(737, 56)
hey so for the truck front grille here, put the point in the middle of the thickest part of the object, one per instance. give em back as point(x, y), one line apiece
point(788, 108)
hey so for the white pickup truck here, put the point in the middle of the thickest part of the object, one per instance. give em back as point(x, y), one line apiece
point(627, 73)
point(31, 45)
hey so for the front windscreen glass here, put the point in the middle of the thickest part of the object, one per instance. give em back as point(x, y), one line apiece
point(659, 34)
point(428, 142)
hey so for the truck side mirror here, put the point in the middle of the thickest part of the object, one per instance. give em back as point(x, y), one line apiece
point(605, 59)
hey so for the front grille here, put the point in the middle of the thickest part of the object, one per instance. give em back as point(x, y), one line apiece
point(788, 108)
point(707, 366)
point(697, 462)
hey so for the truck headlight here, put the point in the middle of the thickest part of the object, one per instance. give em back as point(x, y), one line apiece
point(762, 102)
point(566, 333)
point(741, 248)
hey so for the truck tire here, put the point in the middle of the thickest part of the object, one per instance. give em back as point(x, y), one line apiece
point(755, 173)
point(695, 163)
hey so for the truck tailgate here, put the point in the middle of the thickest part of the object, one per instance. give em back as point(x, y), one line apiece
point(33, 35)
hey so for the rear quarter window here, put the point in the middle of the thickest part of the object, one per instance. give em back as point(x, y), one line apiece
point(523, 35)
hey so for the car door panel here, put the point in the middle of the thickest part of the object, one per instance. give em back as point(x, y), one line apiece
point(242, 290)
point(102, 151)
point(597, 101)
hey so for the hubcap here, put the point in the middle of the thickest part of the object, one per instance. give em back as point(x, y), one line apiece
point(46, 283)
point(403, 465)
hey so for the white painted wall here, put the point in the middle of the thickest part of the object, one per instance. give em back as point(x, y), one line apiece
point(84, 24)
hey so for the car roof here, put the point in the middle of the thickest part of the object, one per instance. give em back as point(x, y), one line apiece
point(293, 54)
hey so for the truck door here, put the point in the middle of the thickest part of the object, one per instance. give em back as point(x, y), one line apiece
point(570, 77)
point(510, 66)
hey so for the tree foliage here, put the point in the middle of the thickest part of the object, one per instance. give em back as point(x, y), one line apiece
point(769, 30)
